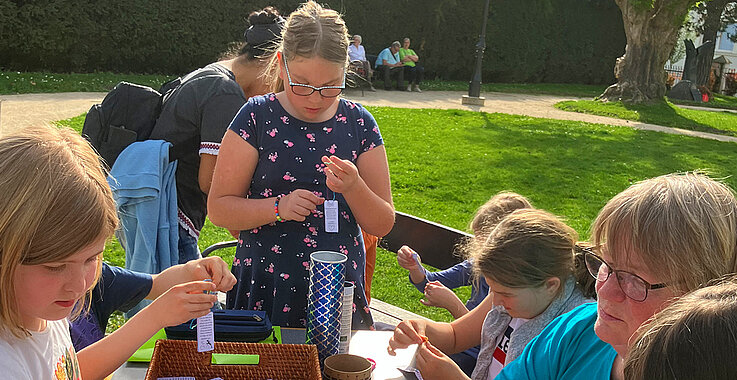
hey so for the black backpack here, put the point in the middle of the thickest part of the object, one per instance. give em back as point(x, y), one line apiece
point(126, 115)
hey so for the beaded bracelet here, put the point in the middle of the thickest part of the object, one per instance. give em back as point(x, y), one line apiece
point(276, 209)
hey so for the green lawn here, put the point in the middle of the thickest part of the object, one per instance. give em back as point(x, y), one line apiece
point(445, 163)
point(14, 82)
point(717, 101)
point(662, 113)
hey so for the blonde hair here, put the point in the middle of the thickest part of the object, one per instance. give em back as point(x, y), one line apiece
point(695, 337)
point(681, 225)
point(494, 210)
point(527, 248)
point(311, 31)
point(55, 201)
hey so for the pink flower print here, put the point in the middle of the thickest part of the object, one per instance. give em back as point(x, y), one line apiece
point(317, 194)
point(288, 177)
point(341, 118)
point(354, 307)
point(254, 231)
point(258, 305)
point(355, 242)
point(240, 241)
point(253, 118)
point(271, 132)
point(270, 269)
point(244, 134)
point(310, 137)
point(343, 249)
point(354, 155)
point(284, 119)
point(288, 143)
point(363, 142)
point(317, 213)
point(372, 146)
point(273, 156)
point(286, 308)
point(306, 264)
point(332, 149)
point(247, 261)
point(327, 130)
point(366, 309)
point(248, 294)
point(266, 193)
point(313, 231)
point(236, 262)
point(284, 276)
point(354, 264)
point(345, 216)
point(272, 97)
point(276, 249)
point(320, 168)
point(376, 129)
point(310, 242)
point(360, 121)
point(351, 105)
point(298, 159)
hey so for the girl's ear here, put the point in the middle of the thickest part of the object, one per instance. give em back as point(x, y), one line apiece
point(552, 285)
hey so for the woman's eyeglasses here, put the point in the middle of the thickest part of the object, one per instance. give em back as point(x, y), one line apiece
point(631, 284)
point(307, 90)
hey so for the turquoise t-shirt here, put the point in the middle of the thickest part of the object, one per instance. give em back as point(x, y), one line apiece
point(567, 348)
point(387, 55)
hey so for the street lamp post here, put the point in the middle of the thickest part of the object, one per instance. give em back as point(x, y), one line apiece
point(474, 87)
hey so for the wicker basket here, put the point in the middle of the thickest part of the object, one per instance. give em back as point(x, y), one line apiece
point(276, 361)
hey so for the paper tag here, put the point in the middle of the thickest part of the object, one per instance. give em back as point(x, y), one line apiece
point(206, 333)
point(331, 216)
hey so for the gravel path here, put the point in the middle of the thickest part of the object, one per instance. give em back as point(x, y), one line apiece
point(19, 111)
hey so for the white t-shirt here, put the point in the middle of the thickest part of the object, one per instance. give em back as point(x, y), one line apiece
point(356, 53)
point(502, 345)
point(45, 355)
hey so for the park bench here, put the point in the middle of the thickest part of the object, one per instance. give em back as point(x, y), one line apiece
point(434, 242)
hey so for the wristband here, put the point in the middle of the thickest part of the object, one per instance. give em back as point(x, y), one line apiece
point(276, 209)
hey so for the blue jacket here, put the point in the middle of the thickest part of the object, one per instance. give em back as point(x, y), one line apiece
point(144, 189)
point(454, 277)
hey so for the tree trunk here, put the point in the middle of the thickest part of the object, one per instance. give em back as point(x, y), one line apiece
point(651, 34)
point(712, 23)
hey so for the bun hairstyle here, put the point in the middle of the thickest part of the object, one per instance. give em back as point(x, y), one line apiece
point(264, 35)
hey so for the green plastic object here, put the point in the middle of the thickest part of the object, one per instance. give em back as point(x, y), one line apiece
point(235, 359)
point(143, 354)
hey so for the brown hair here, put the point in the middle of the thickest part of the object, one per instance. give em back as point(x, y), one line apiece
point(55, 201)
point(527, 248)
point(695, 337)
point(311, 31)
point(681, 225)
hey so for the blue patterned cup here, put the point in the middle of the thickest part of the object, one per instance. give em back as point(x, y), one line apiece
point(325, 301)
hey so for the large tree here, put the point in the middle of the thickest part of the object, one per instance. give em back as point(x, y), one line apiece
point(712, 17)
point(652, 28)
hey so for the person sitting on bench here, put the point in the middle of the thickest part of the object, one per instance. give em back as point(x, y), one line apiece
point(389, 64)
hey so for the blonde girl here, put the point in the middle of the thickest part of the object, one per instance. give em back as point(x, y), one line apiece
point(56, 212)
point(535, 273)
point(288, 153)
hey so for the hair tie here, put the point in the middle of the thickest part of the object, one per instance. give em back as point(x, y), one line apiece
point(260, 33)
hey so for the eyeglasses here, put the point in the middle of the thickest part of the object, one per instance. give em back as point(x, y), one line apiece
point(632, 285)
point(307, 90)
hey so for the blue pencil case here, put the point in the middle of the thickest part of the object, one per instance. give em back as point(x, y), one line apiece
point(230, 326)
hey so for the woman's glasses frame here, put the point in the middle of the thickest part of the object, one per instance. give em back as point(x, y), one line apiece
point(632, 285)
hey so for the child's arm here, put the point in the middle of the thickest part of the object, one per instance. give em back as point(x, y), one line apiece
point(227, 203)
point(212, 267)
point(178, 305)
point(456, 276)
point(366, 187)
point(436, 294)
point(410, 260)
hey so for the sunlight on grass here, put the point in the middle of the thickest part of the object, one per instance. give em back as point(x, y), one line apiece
point(445, 163)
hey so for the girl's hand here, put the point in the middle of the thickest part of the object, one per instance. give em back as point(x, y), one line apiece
point(406, 258)
point(341, 175)
point(438, 295)
point(213, 268)
point(298, 204)
point(407, 333)
point(434, 364)
point(181, 303)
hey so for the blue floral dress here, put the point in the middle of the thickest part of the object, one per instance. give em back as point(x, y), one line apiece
point(272, 261)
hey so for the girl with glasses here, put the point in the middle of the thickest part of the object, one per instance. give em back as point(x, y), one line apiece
point(535, 273)
point(285, 157)
point(653, 243)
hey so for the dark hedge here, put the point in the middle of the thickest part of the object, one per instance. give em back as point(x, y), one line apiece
point(562, 41)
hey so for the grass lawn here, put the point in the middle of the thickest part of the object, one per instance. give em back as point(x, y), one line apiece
point(718, 101)
point(661, 113)
point(13, 82)
point(445, 163)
